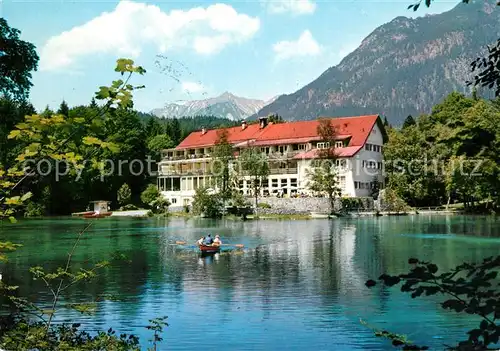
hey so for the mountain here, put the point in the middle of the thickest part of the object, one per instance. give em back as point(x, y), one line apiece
point(226, 105)
point(403, 67)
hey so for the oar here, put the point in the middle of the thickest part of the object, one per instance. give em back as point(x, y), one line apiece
point(184, 243)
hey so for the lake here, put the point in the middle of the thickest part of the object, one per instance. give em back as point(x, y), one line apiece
point(297, 284)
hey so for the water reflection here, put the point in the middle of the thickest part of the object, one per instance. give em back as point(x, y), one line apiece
point(293, 278)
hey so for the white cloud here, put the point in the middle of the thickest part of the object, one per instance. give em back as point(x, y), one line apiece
point(305, 45)
point(192, 87)
point(296, 7)
point(131, 25)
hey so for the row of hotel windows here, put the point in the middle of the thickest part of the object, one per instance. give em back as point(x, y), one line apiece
point(372, 147)
point(363, 185)
point(372, 164)
point(274, 183)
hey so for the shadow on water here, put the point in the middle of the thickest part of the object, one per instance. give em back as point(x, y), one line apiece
point(293, 278)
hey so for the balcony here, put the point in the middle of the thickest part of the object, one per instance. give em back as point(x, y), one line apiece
point(184, 172)
point(274, 171)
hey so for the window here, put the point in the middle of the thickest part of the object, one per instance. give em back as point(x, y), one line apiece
point(265, 150)
point(323, 145)
point(173, 200)
point(356, 185)
point(281, 149)
point(379, 165)
point(284, 182)
point(265, 183)
point(339, 144)
point(274, 183)
point(240, 184)
point(368, 147)
point(293, 182)
point(302, 146)
point(342, 182)
point(341, 163)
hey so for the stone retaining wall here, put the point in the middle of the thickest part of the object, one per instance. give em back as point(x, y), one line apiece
point(305, 205)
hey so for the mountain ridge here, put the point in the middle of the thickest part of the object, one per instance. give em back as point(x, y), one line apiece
point(226, 105)
point(402, 67)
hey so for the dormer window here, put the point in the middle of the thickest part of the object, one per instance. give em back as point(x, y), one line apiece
point(324, 145)
point(339, 144)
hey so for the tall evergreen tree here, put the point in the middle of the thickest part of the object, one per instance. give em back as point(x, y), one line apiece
point(63, 109)
point(409, 121)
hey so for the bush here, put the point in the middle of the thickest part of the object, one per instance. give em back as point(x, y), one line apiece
point(160, 205)
point(207, 204)
point(129, 207)
point(149, 195)
point(263, 205)
point(124, 194)
point(34, 209)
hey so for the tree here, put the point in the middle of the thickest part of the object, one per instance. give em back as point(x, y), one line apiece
point(470, 288)
point(386, 122)
point(63, 109)
point(274, 118)
point(375, 188)
point(153, 128)
point(124, 195)
point(158, 143)
point(207, 204)
point(221, 163)
point(255, 165)
point(323, 178)
point(150, 195)
point(173, 129)
point(488, 67)
point(409, 121)
point(18, 59)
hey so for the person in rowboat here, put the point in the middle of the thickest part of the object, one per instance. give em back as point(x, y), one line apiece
point(208, 240)
point(217, 241)
point(200, 241)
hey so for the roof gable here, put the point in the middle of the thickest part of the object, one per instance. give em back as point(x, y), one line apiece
point(358, 128)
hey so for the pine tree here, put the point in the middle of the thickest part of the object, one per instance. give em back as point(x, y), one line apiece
point(63, 109)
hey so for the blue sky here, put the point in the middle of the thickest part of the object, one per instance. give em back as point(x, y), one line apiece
point(255, 49)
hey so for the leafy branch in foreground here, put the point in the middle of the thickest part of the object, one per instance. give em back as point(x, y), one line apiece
point(471, 288)
point(44, 137)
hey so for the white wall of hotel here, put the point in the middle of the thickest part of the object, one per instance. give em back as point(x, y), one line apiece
point(355, 174)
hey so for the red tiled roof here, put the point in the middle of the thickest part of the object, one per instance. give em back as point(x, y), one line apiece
point(340, 152)
point(357, 127)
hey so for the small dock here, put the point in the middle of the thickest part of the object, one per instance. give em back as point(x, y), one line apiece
point(134, 213)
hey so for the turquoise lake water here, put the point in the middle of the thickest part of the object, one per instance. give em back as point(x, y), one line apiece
point(297, 284)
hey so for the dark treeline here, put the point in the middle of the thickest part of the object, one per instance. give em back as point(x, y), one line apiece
point(139, 135)
point(450, 155)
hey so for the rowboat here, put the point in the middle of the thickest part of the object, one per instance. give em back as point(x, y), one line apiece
point(206, 249)
point(97, 215)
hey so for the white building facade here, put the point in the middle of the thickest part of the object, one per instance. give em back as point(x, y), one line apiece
point(290, 147)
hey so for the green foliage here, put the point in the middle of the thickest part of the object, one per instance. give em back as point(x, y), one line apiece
point(150, 194)
point(409, 121)
point(158, 143)
point(375, 188)
point(157, 325)
point(160, 205)
point(124, 194)
point(207, 203)
point(391, 202)
point(255, 165)
point(449, 155)
point(263, 205)
point(470, 288)
point(221, 163)
point(65, 136)
point(323, 177)
point(28, 335)
point(129, 207)
point(18, 59)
